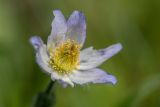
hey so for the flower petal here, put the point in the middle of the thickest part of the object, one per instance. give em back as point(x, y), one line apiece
point(64, 84)
point(42, 59)
point(92, 76)
point(59, 29)
point(36, 42)
point(76, 27)
point(90, 58)
point(62, 79)
point(41, 53)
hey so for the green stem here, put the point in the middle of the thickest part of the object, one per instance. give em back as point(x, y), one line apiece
point(50, 86)
point(46, 98)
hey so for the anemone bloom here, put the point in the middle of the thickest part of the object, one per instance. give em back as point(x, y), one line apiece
point(62, 57)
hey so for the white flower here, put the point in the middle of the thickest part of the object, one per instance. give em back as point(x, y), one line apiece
point(62, 57)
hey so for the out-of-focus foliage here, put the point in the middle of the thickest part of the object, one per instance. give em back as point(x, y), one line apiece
point(134, 23)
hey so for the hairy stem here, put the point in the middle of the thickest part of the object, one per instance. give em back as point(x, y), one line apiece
point(46, 98)
point(49, 88)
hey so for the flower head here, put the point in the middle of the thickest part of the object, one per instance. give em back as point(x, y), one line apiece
point(62, 57)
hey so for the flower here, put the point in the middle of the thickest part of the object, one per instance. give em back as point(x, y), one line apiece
point(62, 57)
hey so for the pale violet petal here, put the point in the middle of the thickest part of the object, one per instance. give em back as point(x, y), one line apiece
point(68, 81)
point(76, 27)
point(59, 29)
point(61, 78)
point(92, 76)
point(42, 59)
point(64, 84)
point(36, 42)
point(90, 58)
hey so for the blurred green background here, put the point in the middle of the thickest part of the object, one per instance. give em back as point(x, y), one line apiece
point(134, 23)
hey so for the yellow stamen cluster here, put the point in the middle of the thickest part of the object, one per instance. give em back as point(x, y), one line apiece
point(65, 57)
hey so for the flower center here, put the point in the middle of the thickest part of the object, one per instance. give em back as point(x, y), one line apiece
point(65, 57)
